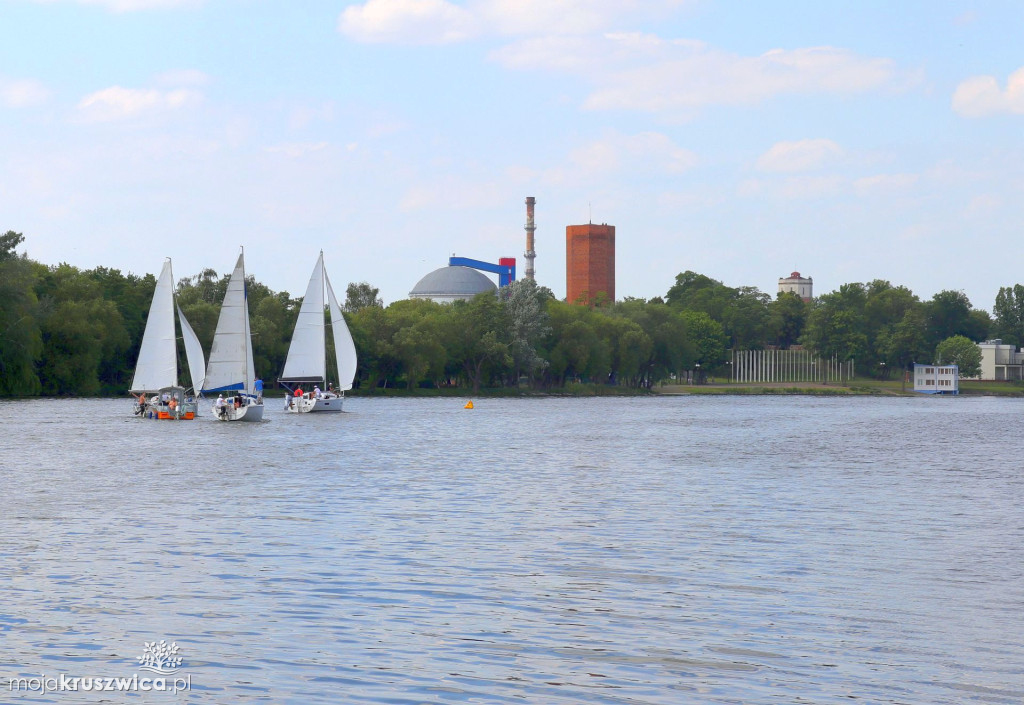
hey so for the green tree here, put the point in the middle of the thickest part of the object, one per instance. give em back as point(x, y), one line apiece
point(672, 350)
point(950, 314)
point(961, 351)
point(746, 318)
point(708, 339)
point(361, 295)
point(787, 315)
point(21, 341)
point(697, 292)
point(81, 331)
point(476, 338)
point(372, 330)
point(132, 295)
point(525, 310)
point(9, 241)
point(886, 308)
point(904, 343)
point(836, 326)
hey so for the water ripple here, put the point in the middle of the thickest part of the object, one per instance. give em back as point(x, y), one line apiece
point(609, 551)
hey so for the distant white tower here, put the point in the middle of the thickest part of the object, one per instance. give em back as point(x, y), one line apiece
point(801, 286)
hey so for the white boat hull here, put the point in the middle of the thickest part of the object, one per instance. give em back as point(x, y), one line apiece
point(253, 411)
point(307, 403)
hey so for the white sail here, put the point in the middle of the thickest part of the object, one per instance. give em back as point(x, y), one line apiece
point(344, 346)
point(231, 366)
point(158, 359)
point(307, 355)
point(193, 351)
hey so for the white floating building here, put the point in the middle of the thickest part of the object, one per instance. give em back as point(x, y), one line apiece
point(937, 379)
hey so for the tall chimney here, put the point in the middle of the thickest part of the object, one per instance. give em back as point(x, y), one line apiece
point(530, 227)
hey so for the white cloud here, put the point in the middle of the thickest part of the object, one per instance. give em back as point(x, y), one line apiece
point(793, 188)
point(117, 103)
point(407, 21)
point(547, 17)
point(645, 72)
point(305, 115)
point(628, 70)
point(980, 96)
point(454, 193)
point(298, 149)
point(884, 183)
point(984, 204)
point(22, 93)
point(183, 77)
point(442, 22)
point(803, 155)
point(131, 5)
point(644, 153)
point(965, 19)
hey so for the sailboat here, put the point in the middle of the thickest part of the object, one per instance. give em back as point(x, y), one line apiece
point(231, 367)
point(307, 353)
point(156, 371)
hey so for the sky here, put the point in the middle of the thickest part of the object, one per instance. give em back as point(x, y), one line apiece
point(849, 141)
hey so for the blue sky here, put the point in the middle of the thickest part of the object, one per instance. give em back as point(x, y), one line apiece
point(846, 140)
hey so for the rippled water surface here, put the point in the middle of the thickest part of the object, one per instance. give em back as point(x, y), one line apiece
point(666, 550)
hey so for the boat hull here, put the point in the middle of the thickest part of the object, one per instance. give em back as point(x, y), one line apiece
point(186, 412)
point(249, 412)
point(170, 410)
point(308, 404)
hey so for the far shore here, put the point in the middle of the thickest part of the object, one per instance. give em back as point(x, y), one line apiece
point(855, 387)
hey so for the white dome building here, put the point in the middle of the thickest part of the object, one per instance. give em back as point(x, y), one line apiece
point(449, 284)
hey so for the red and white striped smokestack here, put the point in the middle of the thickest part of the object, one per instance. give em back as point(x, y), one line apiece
point(530, 227)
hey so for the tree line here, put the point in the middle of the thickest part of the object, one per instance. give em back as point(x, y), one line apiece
point(66, 331)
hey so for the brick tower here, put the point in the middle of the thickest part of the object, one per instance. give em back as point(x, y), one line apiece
point(589, 262)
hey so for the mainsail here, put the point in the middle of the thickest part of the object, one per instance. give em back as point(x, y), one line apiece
point(158, 358)
point(307, 353)
point(231, 364)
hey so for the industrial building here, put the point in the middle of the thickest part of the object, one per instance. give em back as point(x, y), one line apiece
point(462, 278)
point(449, 284)
point(801, 286)
point(589, 262)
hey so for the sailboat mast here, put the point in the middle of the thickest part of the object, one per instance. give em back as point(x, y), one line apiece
point(323, 298)
point(174, 304)
point(246, 388)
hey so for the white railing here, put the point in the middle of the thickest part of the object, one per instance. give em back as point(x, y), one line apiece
point(766, 366)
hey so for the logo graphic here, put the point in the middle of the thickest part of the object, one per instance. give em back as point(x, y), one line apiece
point(160, 658)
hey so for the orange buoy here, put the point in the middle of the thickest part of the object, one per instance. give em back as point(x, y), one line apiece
point(469, 404)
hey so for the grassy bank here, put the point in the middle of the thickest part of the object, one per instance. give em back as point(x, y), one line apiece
point(855, 387)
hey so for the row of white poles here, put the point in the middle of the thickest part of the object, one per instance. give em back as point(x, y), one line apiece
point(787, 366)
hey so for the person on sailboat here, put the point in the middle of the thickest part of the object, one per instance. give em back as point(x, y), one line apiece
point(258, 388)
point(316, 391)
point(219, 406)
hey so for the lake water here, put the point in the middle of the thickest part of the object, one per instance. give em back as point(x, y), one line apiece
point(611, 551)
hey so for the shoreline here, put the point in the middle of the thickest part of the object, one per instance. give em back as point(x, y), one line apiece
point(858, 388)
